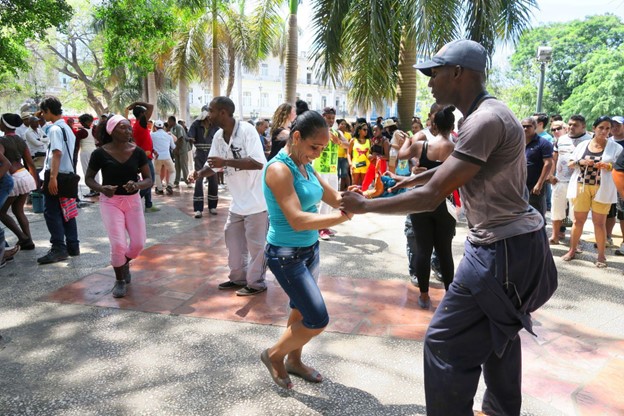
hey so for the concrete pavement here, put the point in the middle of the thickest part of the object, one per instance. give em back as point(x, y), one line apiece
point(69, 349)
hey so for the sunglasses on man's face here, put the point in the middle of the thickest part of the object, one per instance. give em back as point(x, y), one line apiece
point(527, 127)
point(556, 128)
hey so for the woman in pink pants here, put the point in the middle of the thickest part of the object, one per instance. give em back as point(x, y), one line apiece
point(120, 161)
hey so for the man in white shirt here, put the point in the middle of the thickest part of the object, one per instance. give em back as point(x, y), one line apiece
point(238, 152)
point(63, 234)
point(560, 178)
point(36, 146)
point(21, 130)
point(163, 144)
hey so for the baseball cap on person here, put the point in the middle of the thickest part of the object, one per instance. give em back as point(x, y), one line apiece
point(159, 124)
point(463, 52)
point(618, 119)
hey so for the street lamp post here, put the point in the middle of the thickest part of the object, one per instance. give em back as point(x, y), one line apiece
point(544, 55)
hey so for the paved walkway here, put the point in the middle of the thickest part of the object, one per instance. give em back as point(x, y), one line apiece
point(574, 367)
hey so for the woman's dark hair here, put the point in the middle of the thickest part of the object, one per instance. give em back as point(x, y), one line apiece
point(139, 113)
point(105, 137)
point(51, 104)
point(13, 119)
point(601, 119)
point(307, 124)
point(301, 107)
point(445, 119)
point(359, 127)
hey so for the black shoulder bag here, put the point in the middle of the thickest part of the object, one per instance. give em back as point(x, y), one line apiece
point(67, 182)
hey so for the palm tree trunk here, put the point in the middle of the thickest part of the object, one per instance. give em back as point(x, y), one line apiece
point(231, 70)
point(216, 65)
point(184, 98)
point(292, 51)
point(239, 87)
point(152, 94)
point(406, 90)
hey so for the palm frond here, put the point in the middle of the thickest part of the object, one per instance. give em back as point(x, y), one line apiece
point(327, 53)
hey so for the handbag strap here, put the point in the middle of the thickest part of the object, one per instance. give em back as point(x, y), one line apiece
point(67, 146)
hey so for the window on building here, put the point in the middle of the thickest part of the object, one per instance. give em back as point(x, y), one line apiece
point(309, 78)
point(309, 100)
point(264, 70)
point(280, 98)
point(323, 101)
point(264, 100)
point(247, 98)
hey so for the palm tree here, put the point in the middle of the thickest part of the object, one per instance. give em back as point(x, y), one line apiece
point(229, 34)
point(383, 39)
point(292, 52)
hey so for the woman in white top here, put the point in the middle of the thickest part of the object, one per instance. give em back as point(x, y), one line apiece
point(591, 186)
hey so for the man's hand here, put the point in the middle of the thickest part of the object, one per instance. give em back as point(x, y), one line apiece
point(353, 202)
point(192, 177)
point(53, 186)
point(216, 162)
point(401, 182)
point(418, 169)
point(554, 180)
point(537, 189)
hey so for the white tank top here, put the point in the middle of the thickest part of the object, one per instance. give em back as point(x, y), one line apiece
point(88, 143)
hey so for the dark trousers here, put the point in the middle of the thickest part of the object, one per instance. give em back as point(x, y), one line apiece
point(213, 185)
point(433, 230)
point(147, 193)
point(62, 234)
point(539, 202)
point(476, 326)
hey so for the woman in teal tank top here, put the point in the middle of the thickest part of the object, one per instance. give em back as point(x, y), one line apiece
point(292, 190)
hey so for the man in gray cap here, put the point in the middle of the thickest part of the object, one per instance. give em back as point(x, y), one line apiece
point(507, 271)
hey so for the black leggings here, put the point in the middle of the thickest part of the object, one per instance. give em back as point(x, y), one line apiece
point(434, 229)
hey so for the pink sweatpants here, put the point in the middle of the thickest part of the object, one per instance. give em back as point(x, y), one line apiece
point(123, 214)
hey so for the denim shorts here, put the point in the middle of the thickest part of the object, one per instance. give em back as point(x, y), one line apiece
point(297, 269)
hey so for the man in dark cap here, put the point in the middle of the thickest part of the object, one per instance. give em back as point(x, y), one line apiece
point(200, 134)
point(507, 271)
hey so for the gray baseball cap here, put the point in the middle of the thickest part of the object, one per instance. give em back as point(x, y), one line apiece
point(463, 52)
point(618, 119)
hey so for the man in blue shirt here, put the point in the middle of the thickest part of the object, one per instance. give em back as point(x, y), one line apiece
point(539, 156)
point(63, 234)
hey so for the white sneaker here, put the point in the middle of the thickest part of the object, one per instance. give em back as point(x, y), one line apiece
point(198, 214)
point(213, 211)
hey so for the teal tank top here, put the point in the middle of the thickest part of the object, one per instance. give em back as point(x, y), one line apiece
point(309, 191)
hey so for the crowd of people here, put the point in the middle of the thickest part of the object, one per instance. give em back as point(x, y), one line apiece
point(294, 177)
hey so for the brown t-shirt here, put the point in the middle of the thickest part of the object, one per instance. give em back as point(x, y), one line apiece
point(496, 199)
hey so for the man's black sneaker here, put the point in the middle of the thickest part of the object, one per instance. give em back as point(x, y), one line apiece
point(159, 191)
point(169, 190)
point(229, 285)
point(73, 251)
point(54, 255)
point(249, 291)
point(119, 290)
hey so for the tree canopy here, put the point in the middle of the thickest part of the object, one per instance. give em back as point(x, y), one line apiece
point(21, 20)
point(584, 67)
point(135, 31)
